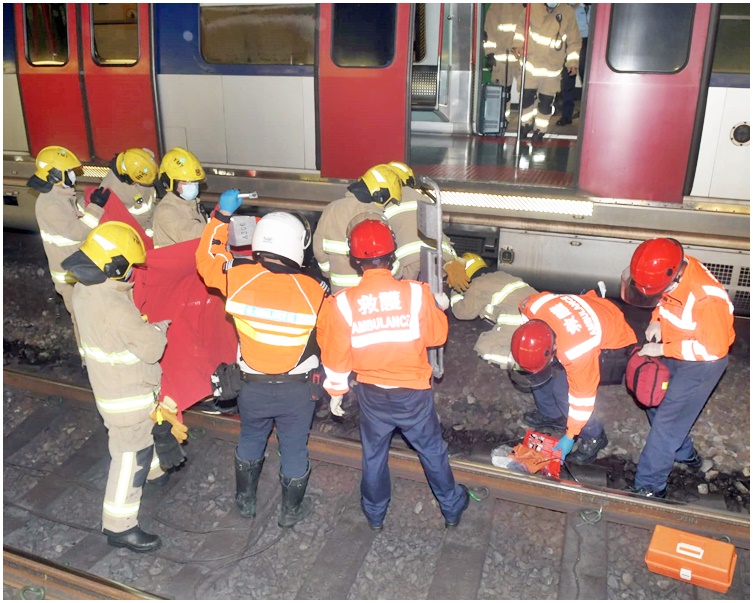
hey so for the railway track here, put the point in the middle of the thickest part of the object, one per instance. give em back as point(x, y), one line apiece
point(531, 538)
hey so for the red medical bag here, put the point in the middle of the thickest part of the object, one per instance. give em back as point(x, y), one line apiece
point(647, 378)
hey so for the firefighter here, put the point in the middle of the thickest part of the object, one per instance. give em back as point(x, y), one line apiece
point(493, 296)
point(557, 352)
point(553, 41)
point(275, 310)
point(179, 215)
point(380, 329)
point(377, 188)
point(122, 357)
point(131, 179)
point(691, 328)
point(403, 220)
point(502, 20)
point(63, 223)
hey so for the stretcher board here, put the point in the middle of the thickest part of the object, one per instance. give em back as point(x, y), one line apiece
point(430, 225)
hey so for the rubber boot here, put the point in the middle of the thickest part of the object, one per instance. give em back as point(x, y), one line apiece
point(246, 481)
point(295, 506)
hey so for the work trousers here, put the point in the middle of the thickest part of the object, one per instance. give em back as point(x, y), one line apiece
point(412, 411)
point(552, 401)
point(540, 115)
point(66, 292)
point(668, 441)
point(569, 81)
point(132, 462)
point(288, 406)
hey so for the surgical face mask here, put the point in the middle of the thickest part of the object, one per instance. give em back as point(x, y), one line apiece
point(190, 191)
point(552, 5)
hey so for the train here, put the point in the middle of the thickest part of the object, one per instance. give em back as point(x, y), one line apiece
point(294, 101)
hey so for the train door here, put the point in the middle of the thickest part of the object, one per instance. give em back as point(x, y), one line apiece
point(364, 58)
point(84, 74)
point(642, 100)
point(14, 132)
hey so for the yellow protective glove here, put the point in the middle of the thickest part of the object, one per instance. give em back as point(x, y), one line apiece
point(161, 413)
point(456, 276)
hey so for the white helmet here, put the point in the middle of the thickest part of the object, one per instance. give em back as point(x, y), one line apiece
point(284, 234)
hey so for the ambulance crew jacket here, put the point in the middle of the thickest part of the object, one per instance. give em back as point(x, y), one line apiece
point(380, 329)
point(583, 326)
point(697, 330)
point(137, 199)
point(122, 358)
point(495, 297)
point(403, 220)
point(64, 226)
point(331, 244)
point(177, 220)
point(275, 313)
point(502, 18)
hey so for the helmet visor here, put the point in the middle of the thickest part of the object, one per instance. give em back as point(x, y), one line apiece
point(630, 293)
point(527, 380)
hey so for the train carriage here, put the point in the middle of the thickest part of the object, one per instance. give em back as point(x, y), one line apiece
point(294, 100)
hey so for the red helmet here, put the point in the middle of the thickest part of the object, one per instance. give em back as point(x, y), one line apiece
point(654, 267)
point(371, 238)
point(533, 346)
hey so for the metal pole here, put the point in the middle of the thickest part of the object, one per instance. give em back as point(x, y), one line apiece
point(523, 80)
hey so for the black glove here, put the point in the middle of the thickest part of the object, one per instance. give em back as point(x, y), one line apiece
point(490, 61)
point(100, 196)
point(169, 452)
point(226, 381)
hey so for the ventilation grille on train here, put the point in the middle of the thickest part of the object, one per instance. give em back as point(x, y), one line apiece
point(736, 281)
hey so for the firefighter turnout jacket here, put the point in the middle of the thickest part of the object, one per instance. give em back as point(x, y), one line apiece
point(502, 20)
point(403, 220)
point(697, 322)
point(583, 325)
point(137, 199)
point(553, 41)
point(380, 329)
point(177, 220)
point(274, 307)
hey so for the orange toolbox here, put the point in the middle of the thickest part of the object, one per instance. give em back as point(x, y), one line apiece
point(701, 561)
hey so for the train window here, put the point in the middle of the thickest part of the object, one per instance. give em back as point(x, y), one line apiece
point(732, 52)
point(419, 28)
point(256, 34)
point(115, 29)
point(46, 34)
point(650, 38)
point(363, 35)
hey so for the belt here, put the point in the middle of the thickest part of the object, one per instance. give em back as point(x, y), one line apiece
point(264, 378)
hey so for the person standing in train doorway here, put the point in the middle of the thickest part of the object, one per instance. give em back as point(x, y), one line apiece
point(275, 307)
point(583, 16)
point(380, 329)
point(131, 179)
point(502, 20)
point(179, 215)
point(692, 329)
point(557, 353)
point(553, 41)
point(63, 221)
point(122, 357)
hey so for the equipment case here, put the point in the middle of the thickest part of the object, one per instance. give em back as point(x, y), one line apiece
point(492, 110)
point(701, 561)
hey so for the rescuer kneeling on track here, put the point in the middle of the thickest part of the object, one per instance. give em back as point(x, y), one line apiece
point(557, 353)
point(179, 215)
point(131, 179)
point(122, 357)
point(692, 327)
point(63, 222)
point(275, 307)
point(380, 329)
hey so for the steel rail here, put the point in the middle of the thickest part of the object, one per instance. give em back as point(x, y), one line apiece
point(504, 484)
point(46, 579)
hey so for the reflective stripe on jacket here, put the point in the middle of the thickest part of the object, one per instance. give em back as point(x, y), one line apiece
point(380, 329)
point(177, 220)
point(493, 296)
point(583, 325)
point(697, 322)
point(274, 313)
point(551, 44)
point(137, 199)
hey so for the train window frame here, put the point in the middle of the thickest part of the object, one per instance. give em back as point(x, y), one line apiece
point(67, 41)
point(335, 45)
point(115, 62)
point(617, 22)
point(310, 51)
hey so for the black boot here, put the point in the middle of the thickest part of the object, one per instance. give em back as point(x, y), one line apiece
point(246, 481)
point(294, 506)
point(134, 539)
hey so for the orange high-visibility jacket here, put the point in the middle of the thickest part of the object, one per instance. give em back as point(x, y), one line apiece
point(380, 329)
point(274, 312)
point(583, 325)
point(696, 318)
